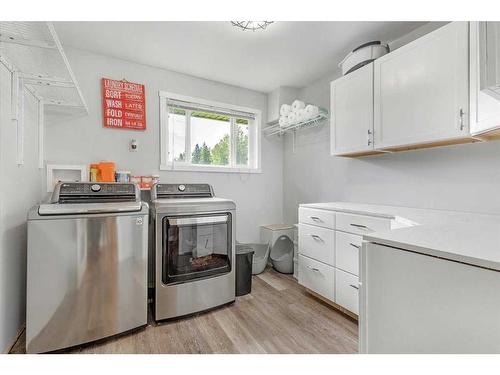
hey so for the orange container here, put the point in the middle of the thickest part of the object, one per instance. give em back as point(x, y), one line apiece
point(106, 171)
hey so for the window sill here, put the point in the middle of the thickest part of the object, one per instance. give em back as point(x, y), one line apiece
point(208, 168)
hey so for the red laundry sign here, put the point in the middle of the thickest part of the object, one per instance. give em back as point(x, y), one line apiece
point(123, 105)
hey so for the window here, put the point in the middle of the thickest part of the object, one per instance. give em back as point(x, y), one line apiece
point(198, 134)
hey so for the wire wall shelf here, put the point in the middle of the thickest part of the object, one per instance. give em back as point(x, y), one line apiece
point(276, 129)
point(33, 54)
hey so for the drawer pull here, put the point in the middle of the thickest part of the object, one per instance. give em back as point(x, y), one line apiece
point(354, 286)
point(316, 237)
point(358, 226)
point(313, 269)
point(356, 246)
point(315, 218)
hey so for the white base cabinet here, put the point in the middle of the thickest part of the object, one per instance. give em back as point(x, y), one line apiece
point(329, 245)
point(414, 303)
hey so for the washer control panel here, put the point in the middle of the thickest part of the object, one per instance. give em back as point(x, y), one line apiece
point(76, 192)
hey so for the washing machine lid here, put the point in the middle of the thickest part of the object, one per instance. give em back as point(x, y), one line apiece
point(88, 208)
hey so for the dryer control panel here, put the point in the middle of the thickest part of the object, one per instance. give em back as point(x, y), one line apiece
point(166, 191)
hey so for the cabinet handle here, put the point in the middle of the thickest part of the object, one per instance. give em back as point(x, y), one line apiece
point(315, 218)
point(462, 113)
point(356, 246)
point(358, 226)
point(316, 237)
point(313, 269)
point(369, 138)
point(354, 286)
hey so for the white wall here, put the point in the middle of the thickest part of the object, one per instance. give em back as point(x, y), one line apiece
point(462, 177)
point(83, 140)
point(19, 190)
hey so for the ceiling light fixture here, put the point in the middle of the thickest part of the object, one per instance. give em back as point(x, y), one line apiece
point(251, 25)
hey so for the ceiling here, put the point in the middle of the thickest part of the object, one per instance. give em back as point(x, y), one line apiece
point(286, 54)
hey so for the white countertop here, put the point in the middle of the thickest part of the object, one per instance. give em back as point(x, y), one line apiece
point(460, 236)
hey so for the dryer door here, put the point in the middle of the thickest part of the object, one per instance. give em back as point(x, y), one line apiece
point(196, 247)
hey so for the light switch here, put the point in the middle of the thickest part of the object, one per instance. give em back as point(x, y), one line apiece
point(133, 145)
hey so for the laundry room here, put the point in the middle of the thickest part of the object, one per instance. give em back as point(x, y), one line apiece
point(208, 186)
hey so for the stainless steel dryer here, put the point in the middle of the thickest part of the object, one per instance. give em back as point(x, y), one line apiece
point(87, 265)
point(194, 249)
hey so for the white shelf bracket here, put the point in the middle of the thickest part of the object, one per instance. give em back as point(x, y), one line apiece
point(294, 135)
point(20, 123)
point(58, 44)
point(6, 63)
point(41, 134)
point(14, 95)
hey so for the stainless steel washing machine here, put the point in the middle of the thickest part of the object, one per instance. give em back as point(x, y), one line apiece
point(194, 249)
point(86, 266)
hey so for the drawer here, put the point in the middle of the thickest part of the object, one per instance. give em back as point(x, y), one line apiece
point(317, 243)
point(347, 291)
point(320, 218)
point(347, 251)
point(317, 276)
point(360, 224)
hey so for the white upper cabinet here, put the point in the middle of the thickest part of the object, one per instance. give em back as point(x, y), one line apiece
point(484, 77)
point(351, 100)
point(421, 90)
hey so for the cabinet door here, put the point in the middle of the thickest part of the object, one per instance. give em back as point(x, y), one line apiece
point(346, 291)
point(351, 102)
point(317, 243)
point(421, 90)
point(484, 71)
point(347, 251)
point(317, 276)
point(414, 303)
point(492, 76)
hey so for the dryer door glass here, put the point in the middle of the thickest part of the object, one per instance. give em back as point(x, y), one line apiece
point(196, 247)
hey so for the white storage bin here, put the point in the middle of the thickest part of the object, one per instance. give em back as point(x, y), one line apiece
point(363, 55)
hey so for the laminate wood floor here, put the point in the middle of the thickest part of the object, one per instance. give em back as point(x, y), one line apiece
point(279, 316)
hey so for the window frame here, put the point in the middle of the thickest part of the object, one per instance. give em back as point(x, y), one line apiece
point(254, 137)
